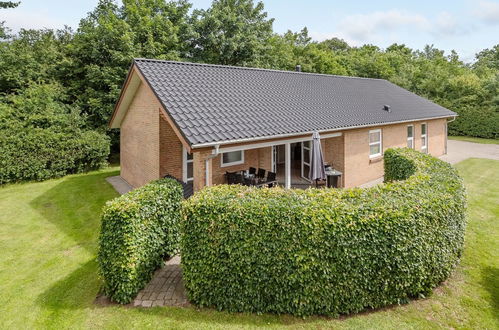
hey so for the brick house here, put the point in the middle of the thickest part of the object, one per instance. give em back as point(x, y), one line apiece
point(198, 121)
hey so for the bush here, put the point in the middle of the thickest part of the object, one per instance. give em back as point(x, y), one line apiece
point(139, 230)
point(480, 122)
point(41, 137)
point(325, 251)
point(41, 154)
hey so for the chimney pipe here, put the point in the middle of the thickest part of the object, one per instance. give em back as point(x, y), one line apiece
point(298, 68)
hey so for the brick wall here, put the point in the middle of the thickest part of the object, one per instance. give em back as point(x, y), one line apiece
point(170, 157)
point(334, 152)
point(139, 139)
point(359, 168)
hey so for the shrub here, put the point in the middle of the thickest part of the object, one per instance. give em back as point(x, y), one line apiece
point(325, 251)
point(41, 137)
point(139, 230)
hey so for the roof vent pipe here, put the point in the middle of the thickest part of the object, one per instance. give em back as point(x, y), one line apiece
point(298, 68)
point(387, 108)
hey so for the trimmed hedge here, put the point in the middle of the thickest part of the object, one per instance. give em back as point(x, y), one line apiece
point(139, 230)
point(41, 154)
point(325, 251)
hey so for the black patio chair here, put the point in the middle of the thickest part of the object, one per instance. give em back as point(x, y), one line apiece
point(271, 179)
point(252, 170)
point(230, 177)
point(239, 178)
point(260, 174)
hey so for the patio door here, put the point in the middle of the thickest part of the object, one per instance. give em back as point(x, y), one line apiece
point(274, 159)
point(305, 159)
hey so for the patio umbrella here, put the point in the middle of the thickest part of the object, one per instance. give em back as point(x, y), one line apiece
point(317, 171)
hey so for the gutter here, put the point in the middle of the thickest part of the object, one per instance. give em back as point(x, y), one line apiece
point(219, 143)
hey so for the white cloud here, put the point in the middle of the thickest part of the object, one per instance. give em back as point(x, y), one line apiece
point(488, 11)
point(18, 18)
point(446, 24)
point(366, 27)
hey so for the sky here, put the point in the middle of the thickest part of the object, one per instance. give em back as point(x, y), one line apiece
point(466, 26)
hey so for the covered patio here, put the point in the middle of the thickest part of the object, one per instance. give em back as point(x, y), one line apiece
point(288, 158)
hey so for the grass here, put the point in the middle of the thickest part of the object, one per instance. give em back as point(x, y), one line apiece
point(48, 272)
point(474, 139)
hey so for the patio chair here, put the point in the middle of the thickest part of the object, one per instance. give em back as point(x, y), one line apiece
point(239, 178)
point(252, 170)
point(271, 179)
point(230, 177)
point(260, 174)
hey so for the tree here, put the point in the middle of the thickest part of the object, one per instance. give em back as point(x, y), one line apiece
point(4, 32)
point(110, 37)
point(33, 56)
point(8, 4)
point(231, 32)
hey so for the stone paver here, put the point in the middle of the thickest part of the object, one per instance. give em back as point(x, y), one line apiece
point(166, 287)
point(120, 185)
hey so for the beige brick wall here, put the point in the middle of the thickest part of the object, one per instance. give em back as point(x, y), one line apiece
point(170, 157)
point(139, 139)
point(334, 152)
point(360, 169)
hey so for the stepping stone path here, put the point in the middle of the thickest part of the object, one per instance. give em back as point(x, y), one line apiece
point(166, 287)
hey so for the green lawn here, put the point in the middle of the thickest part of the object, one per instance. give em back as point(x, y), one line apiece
point(474, 139)
point(48, 272)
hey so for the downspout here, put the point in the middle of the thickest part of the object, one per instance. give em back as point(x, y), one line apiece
point(207, 161)
point(447, 131)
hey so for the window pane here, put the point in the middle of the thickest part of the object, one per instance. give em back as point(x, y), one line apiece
point(189, 156)
point(306, 155)
point(423, 141)
point(306, 144)
point(374, 137)
point(233, 156)
point(423, 128)
point(409, 143)
point(189, 171)
point(375, 149)
point(410, 132)
point(306, 170)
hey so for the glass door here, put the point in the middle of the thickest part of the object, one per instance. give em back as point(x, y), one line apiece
point(305, 159)
point(274, 159)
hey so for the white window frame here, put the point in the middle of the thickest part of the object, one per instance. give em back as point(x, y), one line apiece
point(380, 142)
point(239, 162)
point(424, 148)
point(186, 161)
point(411, 138)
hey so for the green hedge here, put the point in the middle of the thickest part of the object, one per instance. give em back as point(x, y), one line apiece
point(139, 230)
point(41, 154)
point(325, 251)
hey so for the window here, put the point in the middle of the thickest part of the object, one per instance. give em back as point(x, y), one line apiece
point(424, 138)
point(410, 136)
point(232, 158)
point(375, 145)
point(188, 170)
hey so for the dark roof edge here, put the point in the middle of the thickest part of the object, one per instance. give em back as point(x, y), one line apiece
point(234, 67)
point(218, 143)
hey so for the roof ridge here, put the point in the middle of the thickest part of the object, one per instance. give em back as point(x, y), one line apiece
point(234, 67)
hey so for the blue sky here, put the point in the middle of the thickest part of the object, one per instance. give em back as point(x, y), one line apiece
point(464, 25)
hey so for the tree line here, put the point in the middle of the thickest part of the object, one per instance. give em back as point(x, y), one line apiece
point(82, 71)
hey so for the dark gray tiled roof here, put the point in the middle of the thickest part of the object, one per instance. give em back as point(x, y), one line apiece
point(213, 103)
